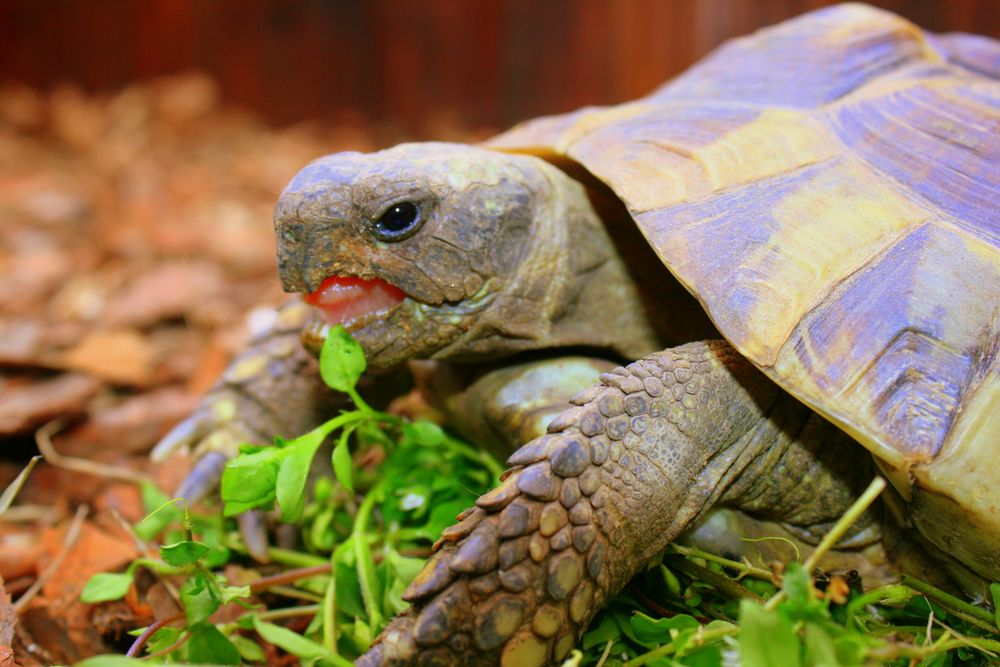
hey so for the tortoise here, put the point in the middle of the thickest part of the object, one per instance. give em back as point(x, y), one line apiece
point(796, 245)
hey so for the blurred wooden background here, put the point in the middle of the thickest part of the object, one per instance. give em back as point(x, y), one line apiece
point(471, 62)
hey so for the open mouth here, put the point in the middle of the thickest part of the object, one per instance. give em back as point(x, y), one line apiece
point(341, 300)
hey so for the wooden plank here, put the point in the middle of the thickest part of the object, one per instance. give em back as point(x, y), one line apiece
point(418, 65)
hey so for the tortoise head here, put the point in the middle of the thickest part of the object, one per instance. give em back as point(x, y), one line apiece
point(441, 251)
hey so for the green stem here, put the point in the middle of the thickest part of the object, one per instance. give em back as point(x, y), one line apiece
point(845, 522)
point(475, 455)
point(950, 602)
point(330, 615)
point(969, 618)
point(269, 615)
point(365, 562)
point(157, 566)
point(360, 402)
point(279, 555)
point(900, 593)
point(852, 514)
point(743, 568)
point(893, 594)
point(339, 660)
point(343, 419)
point(722, 583)
point(938, 635)
point(699, 639)
point(895, 651)
point(294, 593)
point(289, 612)
point(878, 630)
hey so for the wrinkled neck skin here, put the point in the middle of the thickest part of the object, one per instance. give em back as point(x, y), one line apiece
point(570, 289)
point(512, 256)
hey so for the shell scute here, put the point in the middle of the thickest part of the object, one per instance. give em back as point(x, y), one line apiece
point(761, 256)
point(827, 54)
point(828, 190)
point(926, 308)
point(938, 142)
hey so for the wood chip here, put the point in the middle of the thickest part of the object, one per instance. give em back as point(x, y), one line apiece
point(167, 291)
point(25, 407)
point(20, 342)
point(7, 619)
point(134, 424)
point(118, 355)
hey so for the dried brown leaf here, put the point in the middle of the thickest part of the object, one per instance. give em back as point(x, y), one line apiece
point(119, 355)
point(134, 424)
point(24, 407)
point(166, 291)
point(7, 617)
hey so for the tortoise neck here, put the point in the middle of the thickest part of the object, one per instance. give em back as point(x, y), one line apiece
point(599, 303)
point(571, 287)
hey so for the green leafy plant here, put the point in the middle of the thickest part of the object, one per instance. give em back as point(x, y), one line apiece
point(396, 484)
point(703, 610)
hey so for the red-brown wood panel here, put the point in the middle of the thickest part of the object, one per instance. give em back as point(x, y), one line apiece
point(482, 62)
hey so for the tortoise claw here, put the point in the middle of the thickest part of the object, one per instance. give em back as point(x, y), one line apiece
point(183, 435)
point(203, 478)
point(253, 530)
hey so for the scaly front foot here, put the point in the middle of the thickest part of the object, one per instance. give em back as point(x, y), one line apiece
point(619, 475)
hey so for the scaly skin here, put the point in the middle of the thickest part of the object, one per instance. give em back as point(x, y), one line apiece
point(271, 388)
point(501, 409)
point(640, 457)
point(509, 256)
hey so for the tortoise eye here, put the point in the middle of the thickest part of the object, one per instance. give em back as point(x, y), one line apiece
point(398, 222)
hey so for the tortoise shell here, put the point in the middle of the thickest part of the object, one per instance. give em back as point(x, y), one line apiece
point(829, 190)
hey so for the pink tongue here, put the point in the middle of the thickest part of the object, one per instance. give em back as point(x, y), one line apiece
point(344, 299)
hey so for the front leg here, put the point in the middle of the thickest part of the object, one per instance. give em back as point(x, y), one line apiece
point(504, 407)
point(639, 457)
point(271, 388)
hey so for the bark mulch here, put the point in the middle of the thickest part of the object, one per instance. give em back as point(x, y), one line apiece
point(135, 245)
